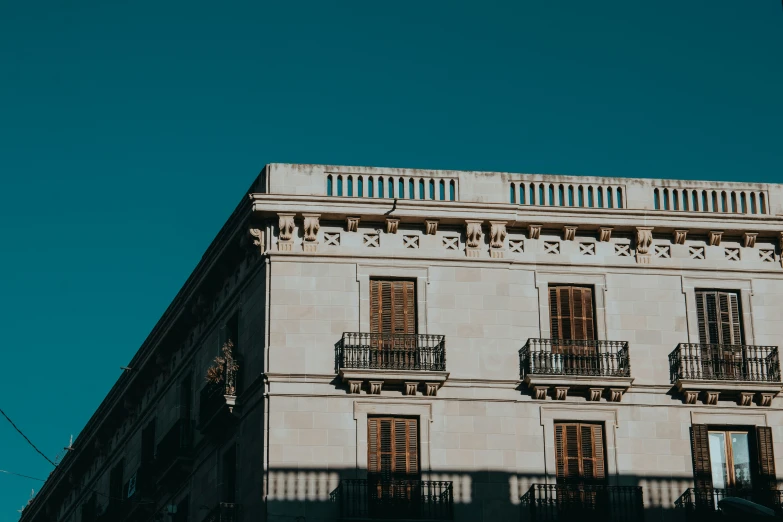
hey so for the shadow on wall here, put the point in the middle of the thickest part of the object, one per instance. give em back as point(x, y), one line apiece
point(310, 495)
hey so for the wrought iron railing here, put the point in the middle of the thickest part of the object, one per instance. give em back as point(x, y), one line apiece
point(223, 512)
point(703, 502)
point(382, 351)
point(548, 502)
point(724, 362)
point(176, 444)
point(395, 499)
point(574, 357)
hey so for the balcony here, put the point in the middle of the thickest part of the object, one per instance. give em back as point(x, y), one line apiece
point(728, 370)
point(549, 502)
point(138, 503)
point(702, 504)
point(592, 368)
point(223, 512)
point(372, 360)
point(175, 453)
point(420, 500)
point(217, 401)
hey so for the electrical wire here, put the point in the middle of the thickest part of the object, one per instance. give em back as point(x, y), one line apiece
point(20, 475)
point(28, 440)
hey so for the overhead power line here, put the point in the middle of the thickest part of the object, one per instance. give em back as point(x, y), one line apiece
point(20, 475)
point(28, 440)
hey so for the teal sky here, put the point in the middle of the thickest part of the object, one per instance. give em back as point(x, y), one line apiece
point(129, 131)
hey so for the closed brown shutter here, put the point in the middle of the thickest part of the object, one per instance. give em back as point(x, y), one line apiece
point(700, 451)
point(766, 457)
point(719, 317)
point(579, 452)
point(571, 312)
point(392, 306)
point(392, 446)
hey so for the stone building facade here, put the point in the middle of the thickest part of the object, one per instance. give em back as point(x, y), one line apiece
point(438, 345)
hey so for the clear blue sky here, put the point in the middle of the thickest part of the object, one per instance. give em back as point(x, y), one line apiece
point(129, 131)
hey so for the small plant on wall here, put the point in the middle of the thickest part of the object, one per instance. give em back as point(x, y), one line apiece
point(224, 369)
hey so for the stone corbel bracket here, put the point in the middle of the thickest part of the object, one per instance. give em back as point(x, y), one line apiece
point(679, 237)
point(643, 242)
point(497, 238)
point(474, 235)
point(749, 239)
point(352, 224)
point(534, 231)
point(258, 239)
point(392, 225)
point(569, 232)
point(285, 240)
point(311, 227)
point(605, 234)
point(714, 237)
point(430, 227)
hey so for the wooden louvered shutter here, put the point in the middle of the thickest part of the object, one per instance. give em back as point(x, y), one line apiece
point(392, 447)
point(567, 451)
point(766, 458)
point(592, 439)
point(701, 313)
point(373, 449)
point(583, 313)
point(554, 312)
point(406, 447)
point(729, 318)
point(700, 450)
point(392, 306)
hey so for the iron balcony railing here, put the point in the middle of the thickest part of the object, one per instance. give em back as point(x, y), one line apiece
point(724, 362)
point(223, 512)
point(381, 351)
point(549, 502)
point(703, 502)
point(403, 499)
point(574, 357)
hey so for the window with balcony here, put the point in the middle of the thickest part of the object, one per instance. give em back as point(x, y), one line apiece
point(581, 491)
point(731, 461)
point(573, 357)
point(721, 364)
point(393, 489)
point(392, 352)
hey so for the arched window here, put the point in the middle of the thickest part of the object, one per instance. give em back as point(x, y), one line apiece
point(609, 198)
point(590, 202)
point(411, 189)
point(391, 187)
point(570, 195)
point(675, 200)
point(695, 200)
point(432, 189)
point(657, 199)
point(723, 200)
point(452, 190)
point(339, 185)
point(401, 189)
point(753, 203)
point(370, 188)
point(350, 186)
point(743, 203)
point(684, 199)
point(551, 195)
point(733, 201)
point(762, 203)
point(600, 197)
point(561, 195)
point(380, 187)
point(521, 193)
point(666, 199)
point(619, 197)
point(581, 193)
point(513, 194)
point(541, 198)
point(532, 194)
point(421, 189)
point(442, 187)
point(705, 206)
point(329, 185)
point(715, 207)
point(360, 187)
